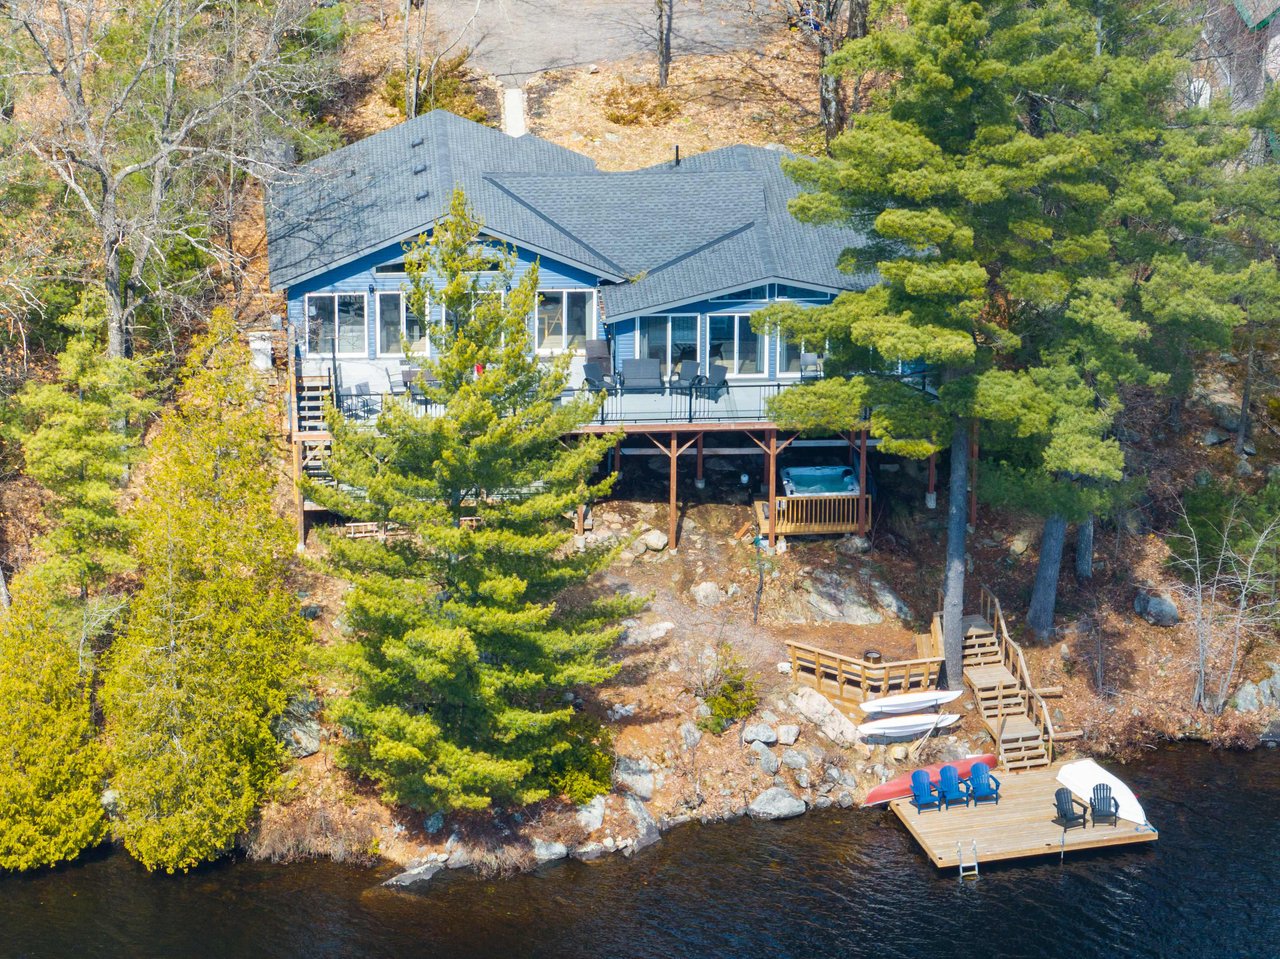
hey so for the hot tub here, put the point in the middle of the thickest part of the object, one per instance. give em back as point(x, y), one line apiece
point(819, 481)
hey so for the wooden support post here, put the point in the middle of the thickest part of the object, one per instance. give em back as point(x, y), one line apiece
point(863, 499)
point(771, 461)
point(931, 496)
point(617, 458)
point(580, 520)
point(698, 475)
point(973, 478)
point(671, 515)
point(299, 504)
point(851, 450)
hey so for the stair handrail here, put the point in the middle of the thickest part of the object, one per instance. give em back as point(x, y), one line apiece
point(1011, 655)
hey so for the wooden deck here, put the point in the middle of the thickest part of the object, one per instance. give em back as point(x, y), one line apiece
point(1020, 826)
point(816, 515)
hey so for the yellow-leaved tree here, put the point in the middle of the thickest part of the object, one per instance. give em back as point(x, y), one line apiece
point(51, 768)
point(213, 645)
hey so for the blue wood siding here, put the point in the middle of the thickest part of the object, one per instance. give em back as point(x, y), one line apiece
point(360, 277)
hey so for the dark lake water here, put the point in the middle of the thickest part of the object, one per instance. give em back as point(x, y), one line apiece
point(832, 884)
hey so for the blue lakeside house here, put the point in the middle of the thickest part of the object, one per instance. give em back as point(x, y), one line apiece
point(647, 278)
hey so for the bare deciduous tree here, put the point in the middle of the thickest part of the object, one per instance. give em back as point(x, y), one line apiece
point(1229, 590)
point(135, 108)
point(829, 24)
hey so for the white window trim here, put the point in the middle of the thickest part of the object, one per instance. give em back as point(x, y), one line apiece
point(592, 320)
point(404, 312)
point(306, 315)
point(768, 342)
point(779, 342)
point(697, 338)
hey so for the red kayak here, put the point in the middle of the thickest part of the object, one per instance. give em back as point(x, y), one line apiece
point(900, 788)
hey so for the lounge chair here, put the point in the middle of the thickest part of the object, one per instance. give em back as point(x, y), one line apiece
point(716, 380)
point(596, 379)
point(687, 377)
point(1104, 807)
point(983, 787)
point(810, 366)
point(923, 795)
point(950, 787)
point(642, 376)
point(1065, 804)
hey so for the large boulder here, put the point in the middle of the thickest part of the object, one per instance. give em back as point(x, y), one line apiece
point(768, 761)
point(298, 727)
point(591, 815)
point(655, 540)
point(418, 871)
point(829, 597)
point(1158, 609)
point(776, 803)
point(832, 723)
point(708, 594)
point(889, 601)
point(760, 733)
point(690, 734)
point(635, 776)
point(646, 827)
point(1264, 694)
point(545, 851)
point(1214, 393)
point(788, 733)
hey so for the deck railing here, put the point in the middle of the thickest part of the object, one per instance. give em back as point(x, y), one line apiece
point(834, 513)
point(1013, 660)
point(856, 680)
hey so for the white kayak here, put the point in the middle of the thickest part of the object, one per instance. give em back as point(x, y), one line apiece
point(907, 725)
point(1080, 777)
point(910, 702)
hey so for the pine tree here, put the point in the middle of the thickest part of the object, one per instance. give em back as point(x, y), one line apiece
point(1035, 178)
point(213, 643)
point(465, 641)
point(80, 435)
point(51, 765)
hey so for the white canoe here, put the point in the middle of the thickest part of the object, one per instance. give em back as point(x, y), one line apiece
point(907, 725)
point(910, 702)
point(1080, 777)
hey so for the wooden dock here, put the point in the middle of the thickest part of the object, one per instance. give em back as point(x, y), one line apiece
point(1020, 826)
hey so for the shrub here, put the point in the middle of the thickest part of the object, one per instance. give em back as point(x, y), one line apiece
point(731, 697)
point(448, 87)
point(587, 770)
point(635, 104)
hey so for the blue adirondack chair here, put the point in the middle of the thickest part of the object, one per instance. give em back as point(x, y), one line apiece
point(1065, 805)
point(950, 788)
point(923, 795)
point(983, 787)
point(1104, 807)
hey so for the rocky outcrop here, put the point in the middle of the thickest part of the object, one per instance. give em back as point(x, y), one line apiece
point(829, 597)
point(1264, 694)
point(760, 733)
point(832, 723)
point(298, 727)
point(646, 827)
point(635, 776)
point(776, 803)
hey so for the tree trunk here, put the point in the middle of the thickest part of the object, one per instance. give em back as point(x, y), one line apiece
point(118, 344)
point(953, 587)
point(856, 26)
point(666, 20)
point(830, 93)
point(1242, 434)
point(4, 591)
point(1044, 595)
point(1084, 550)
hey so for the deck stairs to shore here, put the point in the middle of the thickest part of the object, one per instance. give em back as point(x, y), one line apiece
point(1012, 709)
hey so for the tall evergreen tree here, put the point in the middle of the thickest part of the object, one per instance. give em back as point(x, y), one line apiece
point(464, 643)
point(213, 643)
point(51, 765)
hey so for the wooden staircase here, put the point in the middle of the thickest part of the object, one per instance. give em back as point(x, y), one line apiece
point(309, 398)
point(1012, 709)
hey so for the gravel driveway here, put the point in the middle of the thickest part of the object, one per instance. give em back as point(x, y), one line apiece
point(515, 39)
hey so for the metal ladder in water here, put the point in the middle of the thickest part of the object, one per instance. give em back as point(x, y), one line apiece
point(968, 870)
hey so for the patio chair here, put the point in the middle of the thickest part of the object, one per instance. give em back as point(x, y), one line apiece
point(951, 789)
point(810, 366)
point(1065, 804)
point(687, 377)
point(595, 379)
point(714, 383)
point(1104, 807)
point(597, 351)
point(983, 787)
point(923, 795)
point(642, 376)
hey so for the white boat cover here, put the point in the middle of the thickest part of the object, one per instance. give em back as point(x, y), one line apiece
point(910, 702)
point(1080, 777)
point(907, 725)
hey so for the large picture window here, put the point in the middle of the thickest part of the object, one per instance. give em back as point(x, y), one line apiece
point(788, 355)
point(395, 321)
point(732, 343)
point(671, 340)
point(563, 319)
point(340, 316)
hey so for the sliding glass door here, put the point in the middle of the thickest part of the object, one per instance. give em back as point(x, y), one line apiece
point(340, 315)
point(733, 344)
point(671, 340)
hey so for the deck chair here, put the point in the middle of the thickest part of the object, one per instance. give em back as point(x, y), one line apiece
point(1104, 807)
point(596, 379)
point(597, 351)
point(1065, 804)
point(714, 383)
point(950, 787)
point(687, 377)
point(642, 376)
point(923, 795)
point(810, 366)
point(983, 787)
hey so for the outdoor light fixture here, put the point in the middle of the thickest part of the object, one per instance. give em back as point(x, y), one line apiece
point(745, 479)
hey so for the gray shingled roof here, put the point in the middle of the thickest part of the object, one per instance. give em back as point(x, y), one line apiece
point(659, 237)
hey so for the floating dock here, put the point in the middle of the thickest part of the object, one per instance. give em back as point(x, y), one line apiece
point(1020, 826)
